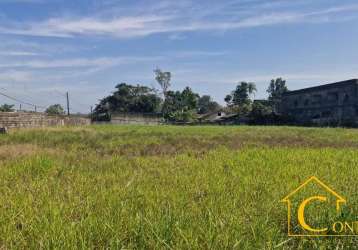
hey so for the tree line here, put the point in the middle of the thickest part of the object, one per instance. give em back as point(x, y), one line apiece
point(186, 105)
point(55, 109)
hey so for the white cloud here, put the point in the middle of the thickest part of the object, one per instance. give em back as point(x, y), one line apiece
point(17, 53)
point(15, 76)
point(36, 63)
point(195, 53)
point(102, 62)
point(177, 36)
point(172, 22)
point(22, 1)
point(119, 27)
point(98, 63)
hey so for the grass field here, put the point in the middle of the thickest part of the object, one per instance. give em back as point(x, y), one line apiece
point(167, 187)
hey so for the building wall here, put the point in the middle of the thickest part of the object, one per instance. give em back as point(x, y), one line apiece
point(144, 119)
point(326, 104)
point(34, 120)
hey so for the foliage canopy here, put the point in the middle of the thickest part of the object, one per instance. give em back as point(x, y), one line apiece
point(7, 108)
point(129, 99)
point(55, 109)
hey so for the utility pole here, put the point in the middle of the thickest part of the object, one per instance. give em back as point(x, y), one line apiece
point(20, 106)
point(35, 108)
point(68, 104)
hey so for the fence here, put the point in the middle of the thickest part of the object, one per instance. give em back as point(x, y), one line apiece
point(145, 119)
point(33, 120)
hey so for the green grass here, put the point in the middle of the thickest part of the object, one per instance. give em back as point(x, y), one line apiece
point(167, 187)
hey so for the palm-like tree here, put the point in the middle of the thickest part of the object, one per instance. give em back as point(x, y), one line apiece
point(241, 95)
point(251, 87)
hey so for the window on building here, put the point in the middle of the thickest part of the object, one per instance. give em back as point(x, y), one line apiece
point(317, 99)
point(332, 97)
point(346, 98)
point(326, 113)
point(295, 103)
point(307, 102)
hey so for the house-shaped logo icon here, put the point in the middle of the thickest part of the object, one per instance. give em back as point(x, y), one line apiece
point(322, 193)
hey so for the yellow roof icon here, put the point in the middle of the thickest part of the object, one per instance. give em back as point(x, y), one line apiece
point(339, 198)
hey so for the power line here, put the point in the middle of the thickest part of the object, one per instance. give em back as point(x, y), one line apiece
point(53, 92)
point(20, 101)
point(65, 96)
point(48, 99)
point(22, 95)
point(78, 103)
point(59, 93)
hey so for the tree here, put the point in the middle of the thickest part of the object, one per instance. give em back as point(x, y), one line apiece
point(129, 99)
point(239, 101)
point(7, 108)
point(189, 99)
point(275, 90)
point(228, 99)
point(261, 113)
point(163, 79)
point(241, 95)
point(55, 109)
point(261, 108)
point(207, 105)
point(180, 106)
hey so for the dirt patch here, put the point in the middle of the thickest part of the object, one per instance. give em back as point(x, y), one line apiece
point(22, 150)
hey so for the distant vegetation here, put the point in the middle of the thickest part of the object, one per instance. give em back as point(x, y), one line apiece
point(275, 90)
point(128, 99)
point(55, 109)
point(186, 105)
point(239, 101)
point(7, 108)
point(207, 105)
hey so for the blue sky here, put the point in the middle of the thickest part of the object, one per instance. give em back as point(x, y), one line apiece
point(48, 47)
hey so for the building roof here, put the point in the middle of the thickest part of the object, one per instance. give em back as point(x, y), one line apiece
point(263, 101)
point(324, 86)
point(212, 113)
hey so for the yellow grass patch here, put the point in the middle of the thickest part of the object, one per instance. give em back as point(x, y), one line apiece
point(22, 150)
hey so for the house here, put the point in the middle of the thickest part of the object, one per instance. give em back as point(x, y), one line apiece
point(211, 117)
point(263, 102)
point(222, 118)
point(329, 104)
